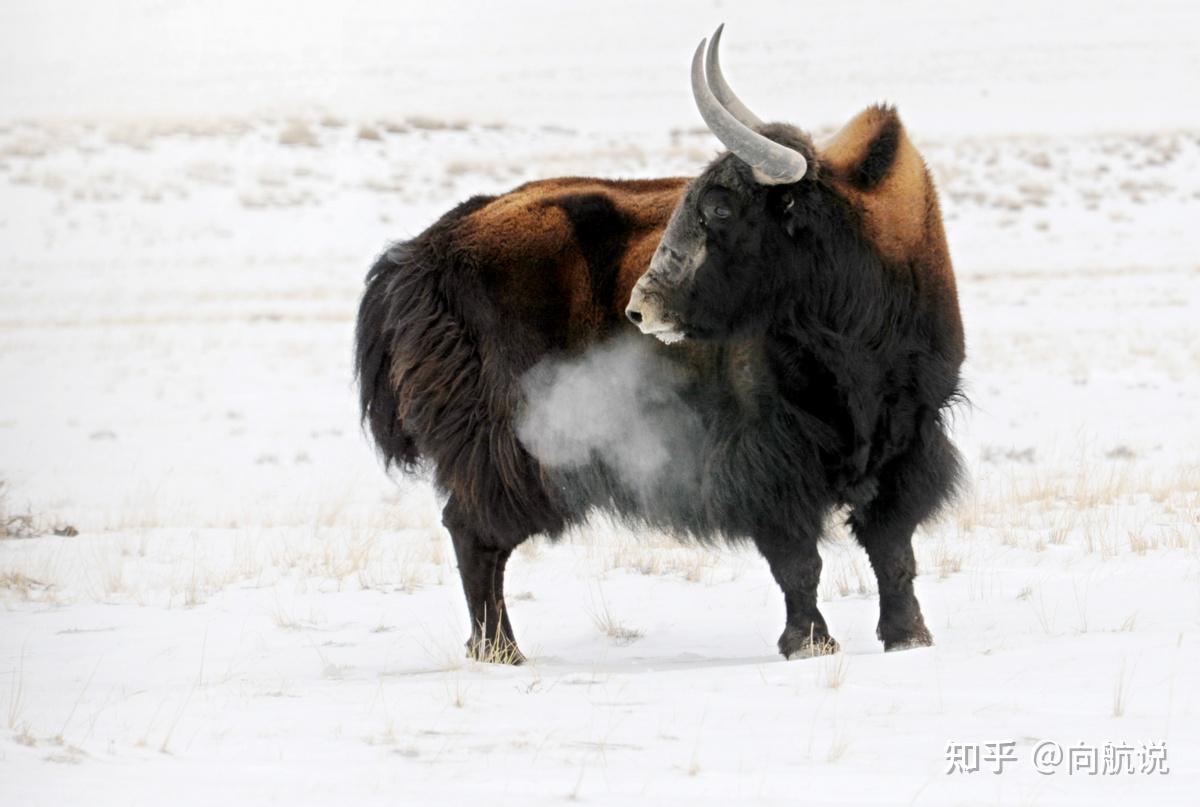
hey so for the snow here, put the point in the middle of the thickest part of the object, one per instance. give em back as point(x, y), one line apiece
point(190, 195)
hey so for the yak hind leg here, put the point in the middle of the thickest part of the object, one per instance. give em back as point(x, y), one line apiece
point(796, 566)
point(913, 488)
point(481, 562)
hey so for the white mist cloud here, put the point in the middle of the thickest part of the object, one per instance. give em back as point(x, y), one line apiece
point(619, 403)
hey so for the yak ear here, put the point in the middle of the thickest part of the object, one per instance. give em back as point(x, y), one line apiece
point(872, 163)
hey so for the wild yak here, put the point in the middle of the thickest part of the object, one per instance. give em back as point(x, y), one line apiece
point(807, 319)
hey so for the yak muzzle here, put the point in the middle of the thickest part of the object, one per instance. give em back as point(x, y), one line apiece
point(646, 310)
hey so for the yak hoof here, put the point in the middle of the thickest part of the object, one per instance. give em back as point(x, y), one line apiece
point(918, 638)
point(495, 651)
point(796, 643)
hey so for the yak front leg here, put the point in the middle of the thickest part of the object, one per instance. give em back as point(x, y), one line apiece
point(911, 490)
point(889, 548)
point(796, 567)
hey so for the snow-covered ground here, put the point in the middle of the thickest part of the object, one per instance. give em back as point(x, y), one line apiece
point(251, 611)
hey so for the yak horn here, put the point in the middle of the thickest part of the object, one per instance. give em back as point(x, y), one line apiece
point(720, 87)
point(773, 164)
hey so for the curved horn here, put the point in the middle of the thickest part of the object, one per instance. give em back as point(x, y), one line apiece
point(773, 164)
point(720, 87)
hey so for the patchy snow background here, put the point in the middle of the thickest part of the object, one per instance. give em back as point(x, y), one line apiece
point(190, 195)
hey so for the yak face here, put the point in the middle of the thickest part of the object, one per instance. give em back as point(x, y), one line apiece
point(726, 261)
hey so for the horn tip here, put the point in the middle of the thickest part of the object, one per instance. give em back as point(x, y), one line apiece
point(715, 41)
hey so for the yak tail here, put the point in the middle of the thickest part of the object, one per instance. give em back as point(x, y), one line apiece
point(404, 325)
point(435, 393)
point(378, 398)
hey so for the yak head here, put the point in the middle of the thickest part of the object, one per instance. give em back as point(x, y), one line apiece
point(776, 220)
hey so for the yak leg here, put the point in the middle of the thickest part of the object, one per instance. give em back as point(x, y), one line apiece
point(481, 565)
point(796, 567)
point(889, 548)
point(914, 487)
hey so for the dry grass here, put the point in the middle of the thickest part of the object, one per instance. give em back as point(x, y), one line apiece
point(946, 561)
point(1099, 507)
point(1120, 697)
point(456, 693)
point(837, 748)
point(111, 570)
point(298, 133)
point(1061, 527)
point(26, 525)
point(17, 526)
point(657, 554)
point(16, 704)
point(647, 563)
point(1099, 538)
point(16, 692)
point(846, 573)
point(1140, 543)
point(160, 565)
point(286, 620)
point(165, 746)
point(832, 670)
point(359, 553)
point(1081, 605)
point(14, 525)
point(1046, 618)
point(618, 632)
point(1129, 624)
point(20, 584)
point(860, 584)
point(502, 653)
point(697, 566)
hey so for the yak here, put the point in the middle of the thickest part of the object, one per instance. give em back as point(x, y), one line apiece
point(798, 298)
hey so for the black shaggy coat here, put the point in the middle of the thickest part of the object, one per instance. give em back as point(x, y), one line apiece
point(828, 389)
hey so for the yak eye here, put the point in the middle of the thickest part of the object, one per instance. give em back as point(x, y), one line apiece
point(715, 205)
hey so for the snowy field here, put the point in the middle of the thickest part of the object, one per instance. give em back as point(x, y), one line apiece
point(243, 607)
